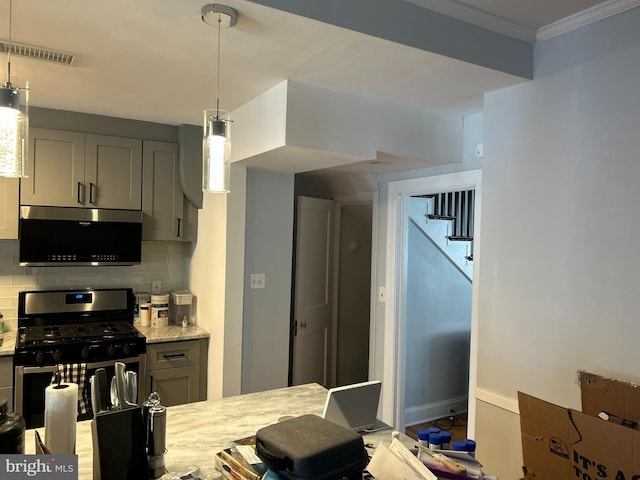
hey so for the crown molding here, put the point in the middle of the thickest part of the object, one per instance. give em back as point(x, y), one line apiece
point(479, 18)
point(585, 17)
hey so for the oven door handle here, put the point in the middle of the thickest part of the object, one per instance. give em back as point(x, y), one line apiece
point(90, 366)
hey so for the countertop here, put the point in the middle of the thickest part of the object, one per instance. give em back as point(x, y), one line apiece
point(172, 333)
point(8, 343)
point(153, 335)
point(197, 431)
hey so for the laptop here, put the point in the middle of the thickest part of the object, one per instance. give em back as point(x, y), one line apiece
point(353, 406)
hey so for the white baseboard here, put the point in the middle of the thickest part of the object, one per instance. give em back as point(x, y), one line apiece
point(433, 411)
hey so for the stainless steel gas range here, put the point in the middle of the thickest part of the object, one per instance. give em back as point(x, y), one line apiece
point(72, 332)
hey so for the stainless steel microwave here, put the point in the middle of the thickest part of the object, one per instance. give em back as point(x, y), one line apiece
point(60, 236)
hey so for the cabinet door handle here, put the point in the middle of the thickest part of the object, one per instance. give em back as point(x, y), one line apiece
point(173, 355)
point(92, 187)
point(150, 383)
point(179, 225)
point(80, 193)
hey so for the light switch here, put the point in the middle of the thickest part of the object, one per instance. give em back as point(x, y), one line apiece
point(257, 280)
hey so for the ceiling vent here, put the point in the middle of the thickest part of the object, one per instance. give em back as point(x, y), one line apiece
point(37, 53)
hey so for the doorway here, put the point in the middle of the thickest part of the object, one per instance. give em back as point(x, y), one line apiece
point(394, 374)
point(334, 274)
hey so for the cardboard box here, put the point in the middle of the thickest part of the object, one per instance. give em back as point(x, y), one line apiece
point(561, 443)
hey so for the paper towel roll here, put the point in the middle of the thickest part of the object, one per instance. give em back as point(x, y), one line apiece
point(60, 417)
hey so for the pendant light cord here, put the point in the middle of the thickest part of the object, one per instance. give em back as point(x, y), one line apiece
point(218, 62)
point(9, 49)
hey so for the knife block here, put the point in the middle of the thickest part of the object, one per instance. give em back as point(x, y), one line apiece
point(119, 446)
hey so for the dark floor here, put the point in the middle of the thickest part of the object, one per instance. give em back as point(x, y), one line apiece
point(457, 425)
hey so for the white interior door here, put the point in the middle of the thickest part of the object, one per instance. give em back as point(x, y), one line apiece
point(312, 301)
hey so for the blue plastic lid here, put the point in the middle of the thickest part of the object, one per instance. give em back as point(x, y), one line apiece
point(446, 437)
point(423, 433)
point(471, 445)
point(460, 445)
point(435, 439)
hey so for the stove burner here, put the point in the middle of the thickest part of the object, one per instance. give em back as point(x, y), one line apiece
point(73, 333)
point(51, 331)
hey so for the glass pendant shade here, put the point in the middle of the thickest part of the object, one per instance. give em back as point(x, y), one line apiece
point(216, 150)
point(14, 130)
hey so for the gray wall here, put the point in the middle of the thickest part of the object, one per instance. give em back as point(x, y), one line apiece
point(559, 269)
point(438, 325)
point(354, 294)
point(268, 250)
point(472, 128)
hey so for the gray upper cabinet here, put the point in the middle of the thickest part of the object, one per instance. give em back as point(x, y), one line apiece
point(113, 172)
point(162, 196)
point(71, 169)
point(56, 169)
point(9, 208)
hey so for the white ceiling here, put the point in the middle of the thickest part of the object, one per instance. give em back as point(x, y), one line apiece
point(154, 60)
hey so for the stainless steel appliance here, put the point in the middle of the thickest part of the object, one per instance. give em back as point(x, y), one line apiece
point(92, 328)
point(79, 236)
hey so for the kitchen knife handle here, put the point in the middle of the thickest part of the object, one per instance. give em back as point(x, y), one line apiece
point(121, 384)
point(102, 384)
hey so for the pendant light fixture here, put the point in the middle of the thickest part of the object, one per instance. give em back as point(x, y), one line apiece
point(216, 142)
point(14, 122)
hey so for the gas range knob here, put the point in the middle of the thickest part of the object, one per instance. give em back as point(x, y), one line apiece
point(84, 353)
point(39, 357)
point(57, 355)
point(126, 349)
point(111, 350)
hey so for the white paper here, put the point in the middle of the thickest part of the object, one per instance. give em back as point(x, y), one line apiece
point(388, 465)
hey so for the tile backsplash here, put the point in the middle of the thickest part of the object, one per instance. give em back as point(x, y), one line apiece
point(164, 261)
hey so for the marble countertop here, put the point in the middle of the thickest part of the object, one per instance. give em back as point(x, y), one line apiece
point(197, 431)
point(153, 335)
point(172, 333)
point(8, 343)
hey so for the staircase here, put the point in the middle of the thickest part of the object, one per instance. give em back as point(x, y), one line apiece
point(446, 219)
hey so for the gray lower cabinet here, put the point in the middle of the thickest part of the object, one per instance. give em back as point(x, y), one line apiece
point(177, 371)
point(6, 380)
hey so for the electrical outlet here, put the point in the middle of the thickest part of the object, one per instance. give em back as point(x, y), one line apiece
point(257, 280)
point(156, 286)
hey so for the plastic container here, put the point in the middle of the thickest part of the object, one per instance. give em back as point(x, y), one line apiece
point(467, 445)
point(141, 299)
point(446, 440)
point(471, 447)
point(423, 437)
point(12, 428)
point(145, 314)
point(159, 310)
point(435, 441)
point(180, 310)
